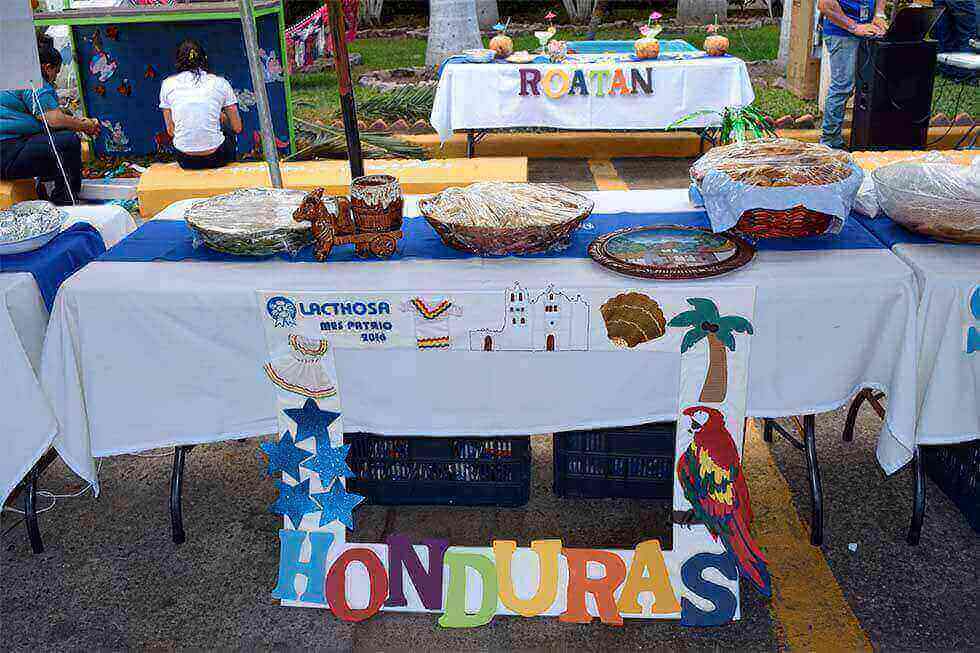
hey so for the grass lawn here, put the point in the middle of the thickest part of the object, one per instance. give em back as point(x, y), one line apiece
point(316, 94)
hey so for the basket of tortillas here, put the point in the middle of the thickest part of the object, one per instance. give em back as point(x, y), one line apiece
point(250, 222)
point(505, 218)
point(776, 188)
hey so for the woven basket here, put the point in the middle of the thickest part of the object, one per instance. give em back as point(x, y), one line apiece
point(504, 241)
point(797, 222)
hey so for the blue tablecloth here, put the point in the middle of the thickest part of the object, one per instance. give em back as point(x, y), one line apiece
point(890, 233)
point(59, 259)
point(173, 240)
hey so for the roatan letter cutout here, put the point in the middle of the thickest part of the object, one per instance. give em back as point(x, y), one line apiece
point(696, 581)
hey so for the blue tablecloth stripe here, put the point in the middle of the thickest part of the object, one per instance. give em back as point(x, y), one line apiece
point(890, 233)
point(59, 259)
point(172, 240)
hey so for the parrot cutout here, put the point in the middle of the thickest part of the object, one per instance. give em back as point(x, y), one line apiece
point(710, 473)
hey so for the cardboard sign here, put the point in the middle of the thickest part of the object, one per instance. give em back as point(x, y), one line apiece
point(696, 581)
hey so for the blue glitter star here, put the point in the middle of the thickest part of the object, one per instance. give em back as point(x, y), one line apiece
point(337, 504)
point(294, 501)
point(311, 422)
point(329, 462)
point(284, 456)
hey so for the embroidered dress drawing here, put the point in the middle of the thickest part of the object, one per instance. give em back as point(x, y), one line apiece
point(301, 371)
point(432, 321)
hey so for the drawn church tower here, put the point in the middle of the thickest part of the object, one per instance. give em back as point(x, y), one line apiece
point(551, 321)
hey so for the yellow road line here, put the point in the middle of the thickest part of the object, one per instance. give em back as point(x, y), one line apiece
point(807, 603)
point(605, 175)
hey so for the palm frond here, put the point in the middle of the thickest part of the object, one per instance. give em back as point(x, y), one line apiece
point(327, 142)
point(409, 102)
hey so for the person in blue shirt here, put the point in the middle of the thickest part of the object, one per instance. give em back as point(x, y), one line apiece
point(25, 149)
point(845, 24)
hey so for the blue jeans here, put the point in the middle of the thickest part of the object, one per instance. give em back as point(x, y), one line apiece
point(842, 51)
point(32, 156)
point(957, 25)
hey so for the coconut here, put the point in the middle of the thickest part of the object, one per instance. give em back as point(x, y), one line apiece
point(503, 45)
point(716, 45)
point(647, 47)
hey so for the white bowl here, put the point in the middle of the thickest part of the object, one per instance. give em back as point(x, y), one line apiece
point(479, 56)
point(28, 244)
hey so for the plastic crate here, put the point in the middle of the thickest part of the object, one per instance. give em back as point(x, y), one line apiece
point(635, 462)
point(427, 471)
point(956, 469)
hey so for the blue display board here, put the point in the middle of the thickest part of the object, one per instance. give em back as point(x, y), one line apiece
point(121, 68)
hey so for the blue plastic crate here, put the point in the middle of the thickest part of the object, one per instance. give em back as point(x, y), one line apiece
point(635, 462)
point(956, 469)
point(426, 471)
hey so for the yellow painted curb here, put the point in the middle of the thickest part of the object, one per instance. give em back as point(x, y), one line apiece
point(616, 145)
point(605, 175)
point(807, 603)
point(164, 184)
point(566, 145)
point(16, 190)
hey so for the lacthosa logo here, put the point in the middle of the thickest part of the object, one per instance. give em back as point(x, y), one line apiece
point(973, 332)
point(282, 310)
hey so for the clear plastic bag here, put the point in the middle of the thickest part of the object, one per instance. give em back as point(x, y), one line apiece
point(866, 202)
point(937, 199)
point(250, 222)
point(775, 174)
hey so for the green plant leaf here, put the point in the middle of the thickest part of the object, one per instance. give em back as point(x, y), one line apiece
point(691, 338)
point(686, 319)
point(705, 307)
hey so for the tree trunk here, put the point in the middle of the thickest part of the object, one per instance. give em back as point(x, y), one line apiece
point(715, 387)
point(784, 32)
point(598, 14)
point(701, 12)
point(452, 29)
point(486, 13)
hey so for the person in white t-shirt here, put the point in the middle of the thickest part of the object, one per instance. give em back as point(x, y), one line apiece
point(200, 110)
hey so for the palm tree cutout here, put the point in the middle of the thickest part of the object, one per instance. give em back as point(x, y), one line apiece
point(705, 322)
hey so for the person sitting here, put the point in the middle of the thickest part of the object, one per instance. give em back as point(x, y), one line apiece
point(200, 110)
point(845, 24)
point(26, 149)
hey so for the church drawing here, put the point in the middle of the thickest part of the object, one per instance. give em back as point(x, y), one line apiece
point(549, 321)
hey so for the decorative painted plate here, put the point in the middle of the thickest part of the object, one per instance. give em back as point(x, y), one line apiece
point(670, 252)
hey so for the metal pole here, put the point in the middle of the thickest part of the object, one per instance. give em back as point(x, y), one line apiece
point(258, 85)
point(348, 107)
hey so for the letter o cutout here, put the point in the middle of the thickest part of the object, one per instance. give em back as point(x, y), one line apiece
point(546, 83)
point(336, 594)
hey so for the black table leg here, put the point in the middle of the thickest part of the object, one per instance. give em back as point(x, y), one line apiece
point(30, 511)
point(808, 445)
point(766, 429)
point(873, 398)
point(470, 144)
point(176, 483)
point(919, 497)
point(816, 487)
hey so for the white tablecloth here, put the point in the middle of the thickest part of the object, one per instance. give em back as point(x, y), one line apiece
point(143, 355)
point(29, 425)
point(487, 96)
point(949, 377)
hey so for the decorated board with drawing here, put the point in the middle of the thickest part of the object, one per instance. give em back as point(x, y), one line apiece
point(695, 581)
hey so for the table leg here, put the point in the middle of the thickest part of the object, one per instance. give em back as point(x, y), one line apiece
point(918, 498)
point(816, 487)
point(176, 483)
point(30, 510)
point(470, 143)
point(808, 445)
point(766, 429)
point(873, 398)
